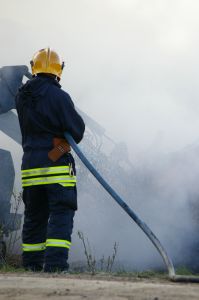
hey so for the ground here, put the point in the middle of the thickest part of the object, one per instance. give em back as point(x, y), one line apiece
point(74, 287)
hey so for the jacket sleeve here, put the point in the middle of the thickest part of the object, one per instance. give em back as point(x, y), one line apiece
point(69, 118)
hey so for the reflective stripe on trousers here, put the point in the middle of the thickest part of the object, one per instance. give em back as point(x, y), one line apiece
point(48, 243)
point(58, 243)
point(34, 247)
point(51, 175)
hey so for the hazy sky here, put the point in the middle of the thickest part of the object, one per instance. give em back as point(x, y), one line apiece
point(131, 65)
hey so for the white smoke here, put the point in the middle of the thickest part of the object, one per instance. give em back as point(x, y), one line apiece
point(132, 66)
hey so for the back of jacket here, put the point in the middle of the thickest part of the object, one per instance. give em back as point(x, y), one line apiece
point(45, 111)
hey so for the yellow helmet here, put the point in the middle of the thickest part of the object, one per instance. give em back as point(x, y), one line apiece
point(47, 61)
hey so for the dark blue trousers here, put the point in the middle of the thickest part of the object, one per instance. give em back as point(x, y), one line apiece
point(49, 213)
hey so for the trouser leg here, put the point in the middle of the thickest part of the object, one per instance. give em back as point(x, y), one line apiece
point(62, 202)
point(34, 227)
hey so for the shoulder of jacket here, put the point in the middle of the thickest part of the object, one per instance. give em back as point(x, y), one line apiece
point(60, 93)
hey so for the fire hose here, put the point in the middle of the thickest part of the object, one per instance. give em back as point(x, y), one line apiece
point(155, 241)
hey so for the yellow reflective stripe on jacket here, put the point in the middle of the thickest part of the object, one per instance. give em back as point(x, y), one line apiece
point(45, 171)
point(63, 184)
point(34, 247)
point(49, 180)
point(39, 176)
point(67, 184)
point(58, 243)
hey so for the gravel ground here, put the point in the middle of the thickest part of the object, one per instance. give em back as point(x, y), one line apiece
point(74, 287)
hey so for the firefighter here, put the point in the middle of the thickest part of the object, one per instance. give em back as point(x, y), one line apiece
point(45, 112)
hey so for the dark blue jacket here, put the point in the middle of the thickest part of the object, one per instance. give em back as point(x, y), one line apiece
point(45, 111)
